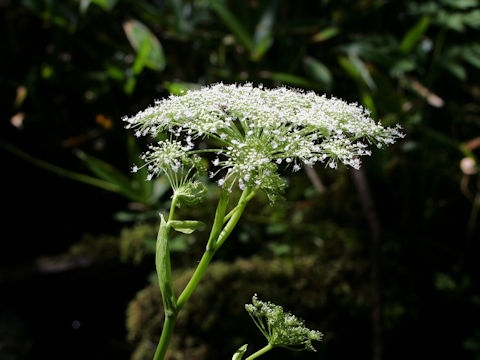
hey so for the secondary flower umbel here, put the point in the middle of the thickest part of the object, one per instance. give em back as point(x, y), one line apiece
point(281, 328)
point(255, 130)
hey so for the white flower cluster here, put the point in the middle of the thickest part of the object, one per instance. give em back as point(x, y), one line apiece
point(168, 156)
point(282, 328)
point(258, 129)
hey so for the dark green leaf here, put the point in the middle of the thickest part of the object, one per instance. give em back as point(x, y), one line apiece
point(402, 66)
point(325, 34)
point(456, 69)
point(454, 21)
point(182, 24)
point(106, 185)
point(231, 21)
point(357, 69)
point(263, 37)
point(142, 58)
point(145, 44)
point(362, 70)
point(110, 174)
point(290, 79)
point(472, 19)
point(280, 249)
point(412, 37)
point(130, 85)
point(471, 55)
point(84, 4)
point(115, 72)
point(105, 4)
point(461, 4)
point(318, 71)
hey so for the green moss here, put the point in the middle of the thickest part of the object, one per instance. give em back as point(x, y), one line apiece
point(131, 245)
point(137, 242)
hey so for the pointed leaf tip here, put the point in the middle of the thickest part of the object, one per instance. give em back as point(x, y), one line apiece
point(240, 352)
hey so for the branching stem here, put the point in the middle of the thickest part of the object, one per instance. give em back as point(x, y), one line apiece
point(218, 236)
point(262, 351)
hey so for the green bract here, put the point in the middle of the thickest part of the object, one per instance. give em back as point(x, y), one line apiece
point(281, 328)
point(191, 193)
point(255, 130)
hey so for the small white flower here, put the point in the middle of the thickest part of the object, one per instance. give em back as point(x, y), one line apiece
point(241, 184)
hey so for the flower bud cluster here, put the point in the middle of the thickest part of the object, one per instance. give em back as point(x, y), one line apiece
point(282, 328)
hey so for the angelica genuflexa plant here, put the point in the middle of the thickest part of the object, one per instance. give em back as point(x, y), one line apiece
point(253, 131)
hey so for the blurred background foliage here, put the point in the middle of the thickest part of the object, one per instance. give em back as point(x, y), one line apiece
point(382, 260)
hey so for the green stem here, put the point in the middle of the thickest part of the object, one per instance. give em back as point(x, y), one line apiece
point(262, 351)
point(196, 277)
point(204, 151)
point(235, 217)
point(218, 222)
point(216, 239)
point(235, 209)
point(167, 331)
point(172, 208)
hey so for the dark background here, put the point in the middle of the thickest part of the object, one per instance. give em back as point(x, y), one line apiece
point(398, 257)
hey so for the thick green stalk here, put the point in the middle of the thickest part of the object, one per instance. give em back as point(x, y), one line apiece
point(218, 235)
point(234, 210)
point(172, 207)
point(167, 331)
point(196, 277)
point(213, 243)
point(262, 351)
point(218, 222)
point(235, 217)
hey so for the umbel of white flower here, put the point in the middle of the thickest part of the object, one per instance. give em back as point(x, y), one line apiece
point(254, 130)
point(280, 327)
